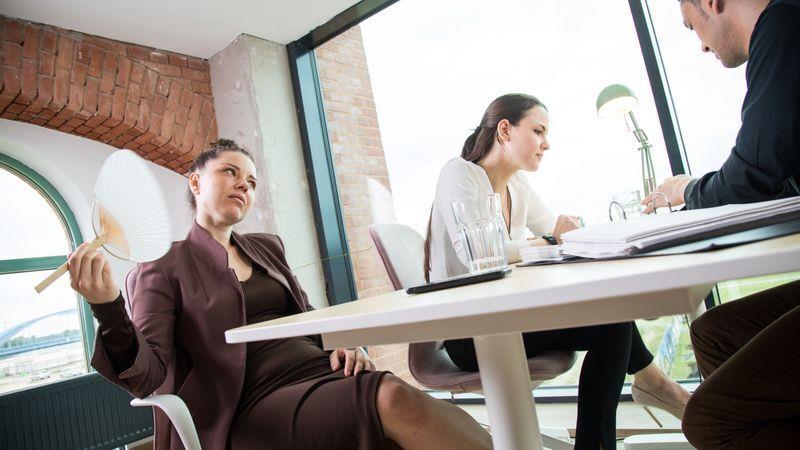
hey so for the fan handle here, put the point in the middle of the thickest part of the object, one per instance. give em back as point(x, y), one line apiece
point(94, 245)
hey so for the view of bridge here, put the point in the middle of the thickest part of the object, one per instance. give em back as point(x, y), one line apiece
point(60, 325)
point(41, 350)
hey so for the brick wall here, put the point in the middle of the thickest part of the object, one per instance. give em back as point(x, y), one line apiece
point(155, 102)
point(358, 155)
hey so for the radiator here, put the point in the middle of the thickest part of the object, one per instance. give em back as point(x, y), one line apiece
point(85, 412)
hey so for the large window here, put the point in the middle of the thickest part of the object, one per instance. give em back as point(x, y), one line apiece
point(432, 85)
point(435, 66)
point(42, 336)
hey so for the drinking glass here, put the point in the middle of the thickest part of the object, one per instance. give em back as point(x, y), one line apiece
point(479, 222)
point(625, 205)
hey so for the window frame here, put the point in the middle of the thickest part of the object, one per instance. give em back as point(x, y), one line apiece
point(659, 83)
point(51, 262)
point(331, 234)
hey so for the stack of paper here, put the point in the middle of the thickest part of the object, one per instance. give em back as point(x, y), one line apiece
point(541, 253)
point(645, 233)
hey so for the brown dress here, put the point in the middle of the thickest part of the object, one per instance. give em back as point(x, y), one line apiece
point(291, 398)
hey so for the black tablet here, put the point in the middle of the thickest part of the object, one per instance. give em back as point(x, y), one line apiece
point(462, 280)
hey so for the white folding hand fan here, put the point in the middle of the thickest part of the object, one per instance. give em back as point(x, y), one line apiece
point(129, 214)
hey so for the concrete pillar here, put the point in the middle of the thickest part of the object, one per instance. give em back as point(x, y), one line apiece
point(252, 90)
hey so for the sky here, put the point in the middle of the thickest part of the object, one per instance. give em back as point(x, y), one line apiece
point(29, 228)
point(435, 67)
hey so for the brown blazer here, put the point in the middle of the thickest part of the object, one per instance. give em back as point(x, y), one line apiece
point(182, 305)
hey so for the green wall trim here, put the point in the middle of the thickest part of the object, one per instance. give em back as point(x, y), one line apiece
point(340, 284)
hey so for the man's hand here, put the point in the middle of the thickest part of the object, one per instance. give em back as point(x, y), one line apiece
point(672, 188)
point(90, 275)
point(355, 360)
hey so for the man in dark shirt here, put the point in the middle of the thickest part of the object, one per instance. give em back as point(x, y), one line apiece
point(748, 350)
point(765, 162)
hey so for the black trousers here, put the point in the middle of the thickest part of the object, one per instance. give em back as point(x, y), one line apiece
point(748, 351)
point(612, 350)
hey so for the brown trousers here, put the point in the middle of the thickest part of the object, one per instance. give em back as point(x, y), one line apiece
point(748, 351)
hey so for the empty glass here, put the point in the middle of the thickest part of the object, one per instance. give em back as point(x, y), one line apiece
point(479, 222)
point(625, 205)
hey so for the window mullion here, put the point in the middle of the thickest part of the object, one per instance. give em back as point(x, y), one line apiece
point(31, 264)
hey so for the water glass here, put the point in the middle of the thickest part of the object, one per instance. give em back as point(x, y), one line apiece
point(625, 205)
point(479, 222)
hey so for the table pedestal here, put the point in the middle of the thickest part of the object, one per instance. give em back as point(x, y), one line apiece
point(507, 389)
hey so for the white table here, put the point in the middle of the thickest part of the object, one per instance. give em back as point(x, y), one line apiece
point(530, 299)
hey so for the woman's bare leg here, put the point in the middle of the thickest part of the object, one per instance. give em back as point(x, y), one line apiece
point(414, 420)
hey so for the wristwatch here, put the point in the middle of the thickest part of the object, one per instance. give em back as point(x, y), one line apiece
point(550, 239)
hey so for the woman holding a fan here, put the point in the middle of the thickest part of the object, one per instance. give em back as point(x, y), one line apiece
point(286, 393)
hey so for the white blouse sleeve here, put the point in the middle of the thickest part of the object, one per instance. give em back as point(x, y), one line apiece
point(540, 220)
point(455, 183)
point(534, 216)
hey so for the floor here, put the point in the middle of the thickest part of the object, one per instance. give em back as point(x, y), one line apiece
point(631, 418)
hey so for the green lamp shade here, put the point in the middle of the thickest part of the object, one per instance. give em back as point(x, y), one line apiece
point(616, 100)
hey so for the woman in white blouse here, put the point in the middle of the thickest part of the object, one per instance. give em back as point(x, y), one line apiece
point(512, 137)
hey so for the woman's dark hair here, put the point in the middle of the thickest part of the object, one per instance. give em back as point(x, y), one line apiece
point(511, 107)
point(213, 152)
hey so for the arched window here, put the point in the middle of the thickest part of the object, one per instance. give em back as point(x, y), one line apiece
point(43, 337)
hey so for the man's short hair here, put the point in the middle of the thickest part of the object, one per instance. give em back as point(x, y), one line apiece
point(696, 4)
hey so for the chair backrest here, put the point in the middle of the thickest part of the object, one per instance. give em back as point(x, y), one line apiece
point(130, 287)
point(402, 250)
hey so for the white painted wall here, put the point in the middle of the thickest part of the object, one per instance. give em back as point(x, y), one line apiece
point(254, 104)
point(71, 164)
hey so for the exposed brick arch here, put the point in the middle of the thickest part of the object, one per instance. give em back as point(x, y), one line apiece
point(155, 102)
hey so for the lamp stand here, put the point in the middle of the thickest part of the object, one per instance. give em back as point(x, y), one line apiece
point(648, 172)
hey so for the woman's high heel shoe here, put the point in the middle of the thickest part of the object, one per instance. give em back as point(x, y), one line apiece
point(647, 400)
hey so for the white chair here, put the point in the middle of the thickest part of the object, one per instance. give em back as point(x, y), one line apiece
point(178, 414)
point(402, 250)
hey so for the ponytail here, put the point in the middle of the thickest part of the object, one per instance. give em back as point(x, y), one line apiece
point(469, 143)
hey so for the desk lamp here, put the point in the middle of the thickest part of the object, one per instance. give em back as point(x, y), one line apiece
point(618, 100)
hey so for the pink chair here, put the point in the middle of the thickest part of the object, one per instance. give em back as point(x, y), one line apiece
point(402, 250)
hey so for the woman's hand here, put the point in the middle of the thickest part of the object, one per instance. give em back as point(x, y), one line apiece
point(90, 275)
point(355, 360)
point(565, 223)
